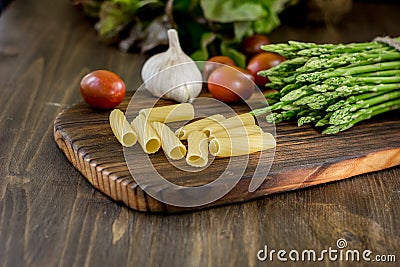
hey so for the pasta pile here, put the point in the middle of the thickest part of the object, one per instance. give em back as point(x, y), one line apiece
point(217, 135)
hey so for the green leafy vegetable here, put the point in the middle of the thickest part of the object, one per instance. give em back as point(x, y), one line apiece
point(208, 27)
point(238, 57)
point(233, 10)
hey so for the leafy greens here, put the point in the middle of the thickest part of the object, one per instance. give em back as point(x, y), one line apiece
point(206, 27)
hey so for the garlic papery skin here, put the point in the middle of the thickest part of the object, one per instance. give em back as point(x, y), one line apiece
point(172, 74)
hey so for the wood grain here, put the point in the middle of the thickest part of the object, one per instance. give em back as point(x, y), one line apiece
point(51, 216)
point(303, 157)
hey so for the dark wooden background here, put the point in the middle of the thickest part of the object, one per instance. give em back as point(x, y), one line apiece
point(51, 216)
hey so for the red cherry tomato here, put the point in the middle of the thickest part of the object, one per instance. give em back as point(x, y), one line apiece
point(245, 72)
point(214, 63)
point(252, 44)
point(102, 89)
point(230, 85)
point(263, 61)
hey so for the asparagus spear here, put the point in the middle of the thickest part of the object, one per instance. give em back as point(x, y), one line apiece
point(312, 117)
point(351, 80)
point(383, 73)
point(324, 121)
point(283, 116)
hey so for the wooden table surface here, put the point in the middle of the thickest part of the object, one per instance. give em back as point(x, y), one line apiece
point(51, 216)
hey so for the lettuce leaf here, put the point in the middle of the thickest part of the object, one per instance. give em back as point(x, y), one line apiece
point(225, 11)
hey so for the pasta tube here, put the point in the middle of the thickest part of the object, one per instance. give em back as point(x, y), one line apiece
point(238, 131)
point(122, 128)
point(232, 122)
point(197, 155)
point(171, 144)
point(147, 137)
point(241, 145)
point(171, 113)
point(198, 125)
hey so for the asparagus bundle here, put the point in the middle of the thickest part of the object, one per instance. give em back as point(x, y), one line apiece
point(333, 85)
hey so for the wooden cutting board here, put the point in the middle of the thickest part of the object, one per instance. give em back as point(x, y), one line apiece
point(303, 157)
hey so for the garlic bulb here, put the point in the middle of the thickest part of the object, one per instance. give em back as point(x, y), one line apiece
point(172, 74)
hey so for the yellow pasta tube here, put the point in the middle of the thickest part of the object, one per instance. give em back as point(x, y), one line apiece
point(198, 125)
point(147, 137)
point(197, 155)
point(122, 128)
point(232, 122)
point(241, 145)
point(237, 131)
point(171, 144)
point(170, 113)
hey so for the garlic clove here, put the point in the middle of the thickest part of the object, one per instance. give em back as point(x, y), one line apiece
point(172, 74)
